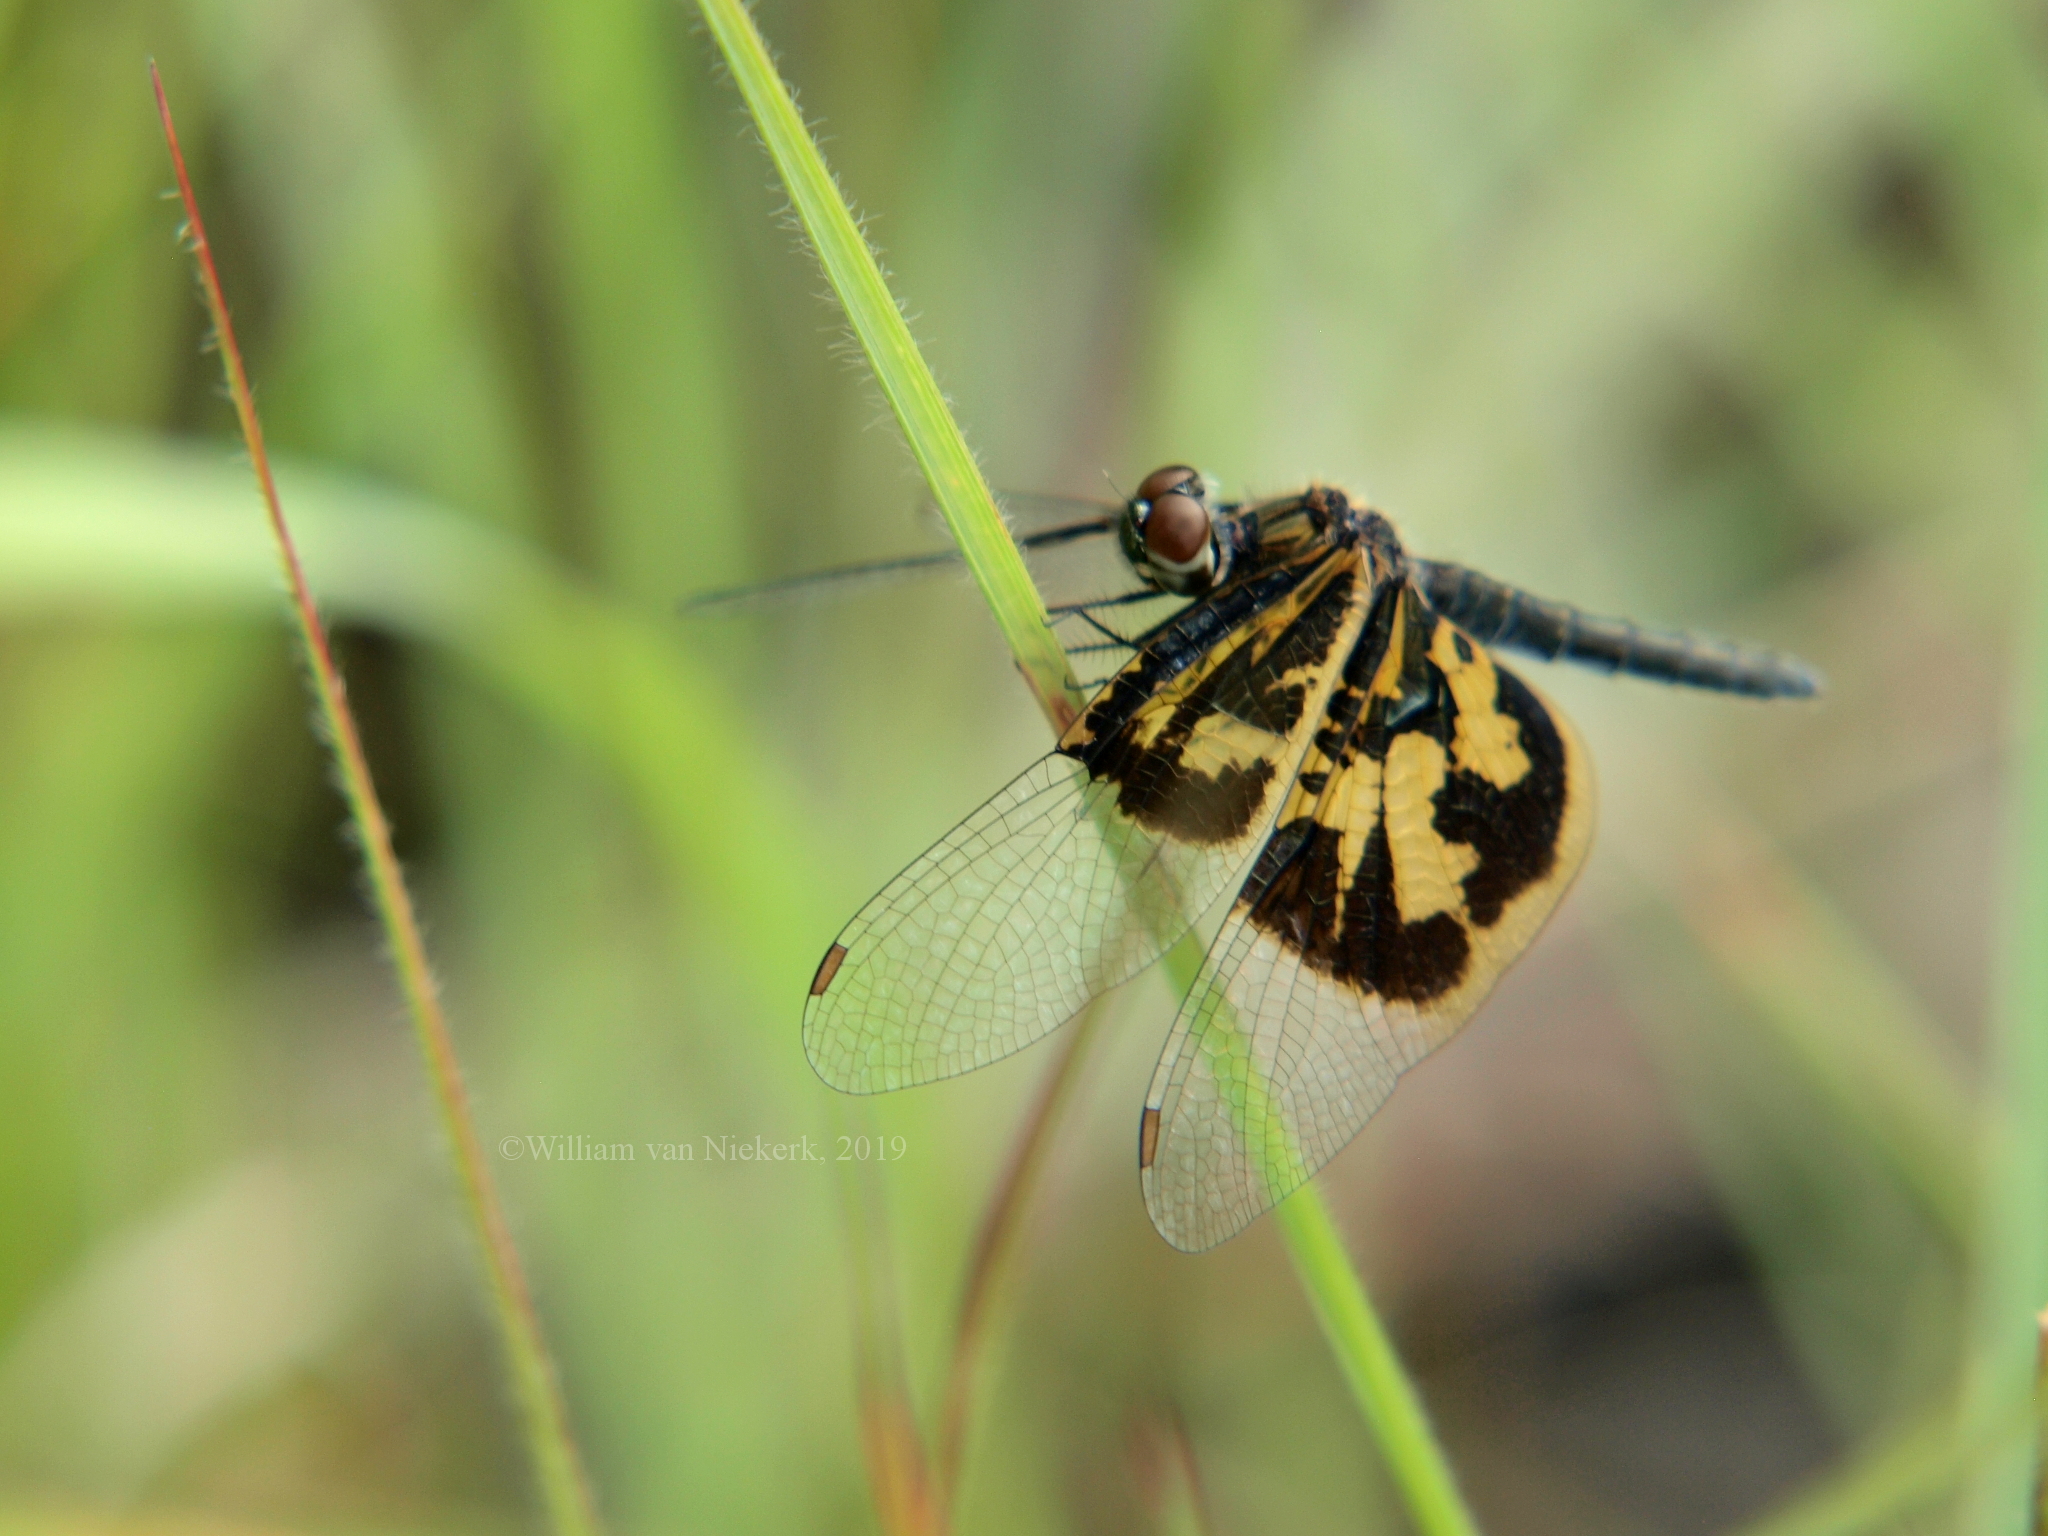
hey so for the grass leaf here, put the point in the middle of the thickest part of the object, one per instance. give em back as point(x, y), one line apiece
point(2010, 1273)
point(558, 1464)
point(928, 427)
point(1391, 1405)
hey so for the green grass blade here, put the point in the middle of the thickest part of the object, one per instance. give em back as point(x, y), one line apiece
point(1905, 1475)
point(934, 437)
point(2010, 1279)
point(1371, 1368)
point(1367, 1359)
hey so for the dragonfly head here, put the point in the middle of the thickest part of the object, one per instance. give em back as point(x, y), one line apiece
point(1169, 532)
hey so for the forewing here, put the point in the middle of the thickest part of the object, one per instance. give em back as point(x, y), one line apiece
point(1070, 545)
point(1103, 629)
point(1100, 608)
point(1434, 827)
point(1088, 866)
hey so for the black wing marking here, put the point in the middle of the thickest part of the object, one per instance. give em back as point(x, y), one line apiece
point(1440, 816)
point(1088, 866)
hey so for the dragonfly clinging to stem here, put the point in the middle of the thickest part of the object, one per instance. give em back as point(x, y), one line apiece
point(1299, 714)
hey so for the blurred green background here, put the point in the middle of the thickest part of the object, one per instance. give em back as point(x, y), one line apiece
point(1720, 314)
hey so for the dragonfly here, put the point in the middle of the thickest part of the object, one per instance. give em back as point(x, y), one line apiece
point(1294, 713)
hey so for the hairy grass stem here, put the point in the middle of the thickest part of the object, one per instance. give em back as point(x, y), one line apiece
point(1392, 1408)
point(558, 1465)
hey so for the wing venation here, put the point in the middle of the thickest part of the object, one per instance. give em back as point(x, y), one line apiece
point(1430, 835)
point(1090, 864)
point(1000, 933)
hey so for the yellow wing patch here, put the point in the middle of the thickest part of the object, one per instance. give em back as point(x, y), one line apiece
point(1488, 742)
point(1427, 868)
point(1201, 748)
point(1424, 847)
point(1090, 864)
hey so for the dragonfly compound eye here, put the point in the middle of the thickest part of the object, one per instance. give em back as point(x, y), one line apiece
point(1175, 477)
point(1177, 532)
point(1167, 531)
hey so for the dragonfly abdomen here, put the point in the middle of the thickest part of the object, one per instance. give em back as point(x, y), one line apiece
point(1496, 614)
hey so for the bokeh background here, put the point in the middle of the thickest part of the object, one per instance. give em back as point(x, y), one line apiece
point(1709, 312)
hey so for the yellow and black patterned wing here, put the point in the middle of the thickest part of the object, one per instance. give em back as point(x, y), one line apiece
point(1087, 867)
point(1443, 811)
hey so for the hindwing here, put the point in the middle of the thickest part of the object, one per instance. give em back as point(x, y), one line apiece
point(1437, 818)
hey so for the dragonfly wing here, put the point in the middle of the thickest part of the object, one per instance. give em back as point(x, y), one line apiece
point(1423, 847)
point(1089, 865)
point(1041, 519)
point(1101, 634)
point(1069, 542)
point(1101, 609)
point(1034, 516)
point(1001, 932)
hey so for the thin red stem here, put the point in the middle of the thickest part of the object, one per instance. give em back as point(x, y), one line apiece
point(559, 1466)
point(994, 1243)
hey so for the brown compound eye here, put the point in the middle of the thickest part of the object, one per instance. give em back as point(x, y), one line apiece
point(1176, 530)
point(1172, 478)
point(1167, 533)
